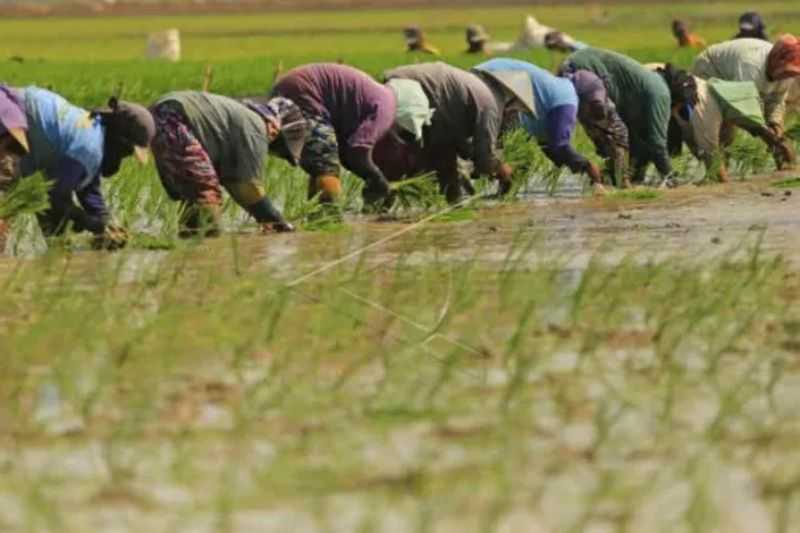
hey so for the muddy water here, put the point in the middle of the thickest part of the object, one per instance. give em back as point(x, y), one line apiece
point(695, 222)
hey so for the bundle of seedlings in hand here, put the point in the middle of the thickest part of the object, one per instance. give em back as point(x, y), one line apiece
point(27, 196)
point(420, 193)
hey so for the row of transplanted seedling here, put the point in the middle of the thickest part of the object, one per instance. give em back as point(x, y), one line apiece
point(138, 201)
point(378, 397)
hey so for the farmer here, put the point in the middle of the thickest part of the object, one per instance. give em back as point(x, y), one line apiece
point(73, 148)
point(206, 142)
point(416, 41)
point(751, 26)
point(771, 68)
point(348, 113)
point(601, 122)
point(686, 39)
point(642, 100)
point(477, 39)
point(707, 126)
point(552, 118)
point(466, 124)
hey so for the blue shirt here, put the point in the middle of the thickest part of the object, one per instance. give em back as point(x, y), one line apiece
point(58, 129)
point(549, 93)
point(66, 145)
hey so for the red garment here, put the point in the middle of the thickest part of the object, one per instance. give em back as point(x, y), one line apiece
point(184, 166)
point(783, 60)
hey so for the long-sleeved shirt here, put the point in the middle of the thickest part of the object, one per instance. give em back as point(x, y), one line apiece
point(360, 109)
point(556, 106)
point(641, 97)
point(66, 144)
point(745, 60)
point(466, 111)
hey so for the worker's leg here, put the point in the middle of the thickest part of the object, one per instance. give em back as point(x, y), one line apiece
point(444, 161)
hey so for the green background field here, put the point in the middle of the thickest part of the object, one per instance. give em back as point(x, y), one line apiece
point(86, 58)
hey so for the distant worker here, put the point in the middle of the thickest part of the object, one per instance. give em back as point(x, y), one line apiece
point(751, 26)
point(206, 142)
point(561, 42)
point(416, 41)
point(770, 67)
point(466, 124)
point(348, 113)
point(73, 148)
point(552, 118)
point(477, 37)
point(536, 35)
point(686, 39)
point(642, 100)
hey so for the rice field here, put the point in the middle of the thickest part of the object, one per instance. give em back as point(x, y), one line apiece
point(548, 362)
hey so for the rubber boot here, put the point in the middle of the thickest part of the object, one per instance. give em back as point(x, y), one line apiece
point(328, 187)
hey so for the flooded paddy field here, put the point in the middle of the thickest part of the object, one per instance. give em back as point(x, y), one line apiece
point(555, 362)
point(552, 364)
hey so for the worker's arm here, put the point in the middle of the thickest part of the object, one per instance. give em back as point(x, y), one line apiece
point(250, 195)
point(560, 125)
point(656, 115)
point(359, 161)
point(67, 179)
point(775, 107)
point(485, 137)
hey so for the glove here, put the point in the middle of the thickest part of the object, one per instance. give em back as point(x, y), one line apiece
point(277, 227)
point(112, 238)
point(376, 192)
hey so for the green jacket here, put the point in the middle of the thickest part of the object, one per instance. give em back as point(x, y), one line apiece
point(642, 100)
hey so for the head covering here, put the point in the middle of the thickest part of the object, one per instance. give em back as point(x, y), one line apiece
point(287, 118)
point(413, 35)
point(679, 28)
point(783, 60)
point(477, 34)
point(12, 117)
point(682, 85)
point(516, 82)
point(129, 129)
point(589, 86)
point(413, 107)
point(751, 25)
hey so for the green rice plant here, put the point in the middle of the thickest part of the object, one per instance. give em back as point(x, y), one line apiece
point(788, 183)
point(26, 197)
point(417, 193)
point(637, 194)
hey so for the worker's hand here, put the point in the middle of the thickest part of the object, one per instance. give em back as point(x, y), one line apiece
point(112, 238)
point(277, 227)
point(504, 172)
point(594, 173)
point(785, 156)
point(776, 130)
point(723, 175)
point(376, 192)
point(503, 177)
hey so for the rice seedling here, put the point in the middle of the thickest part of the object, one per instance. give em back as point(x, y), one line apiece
point(25, 197)
point(529, 369)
